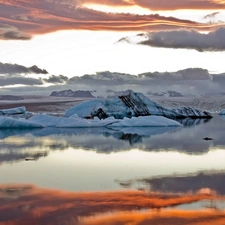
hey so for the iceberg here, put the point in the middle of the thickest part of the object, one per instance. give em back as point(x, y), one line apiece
point(46, 120)
point(13, 111)
point(8, 122)
point(128, 110)
point(76, 122)
point(222, 112)
point(131, 104)
point(145, 121)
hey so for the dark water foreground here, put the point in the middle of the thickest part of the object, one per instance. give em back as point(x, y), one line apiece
point(113, 176)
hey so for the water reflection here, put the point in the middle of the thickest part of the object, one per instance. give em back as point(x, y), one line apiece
point(189, 122)
point(187, 139)
point(26, 204)
point(168, 166)
point(122, 152)
point(182, 183)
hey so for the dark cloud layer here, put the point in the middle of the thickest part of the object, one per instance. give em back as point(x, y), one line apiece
point(110, 78)
point(194, 81)
point(190, 81)
point(184, 39)
point(19, 80)
point(56, 79)
point(22, 18)
point(12, 69)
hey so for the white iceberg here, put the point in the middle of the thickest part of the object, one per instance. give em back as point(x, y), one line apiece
point(46, 120)
point(8, 122)
point(75, 121)
point(13, 111)
point(222, 112)
point(131, 104)
point(145, 121)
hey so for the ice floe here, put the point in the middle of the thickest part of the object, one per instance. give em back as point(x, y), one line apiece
point(75, 121)
point(13, 111)
point(8, 122)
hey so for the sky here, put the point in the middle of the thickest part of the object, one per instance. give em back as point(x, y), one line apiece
point(112, 45)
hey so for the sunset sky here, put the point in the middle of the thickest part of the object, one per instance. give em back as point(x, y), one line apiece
point(117, 44)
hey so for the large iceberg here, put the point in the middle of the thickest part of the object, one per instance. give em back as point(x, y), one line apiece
point(128, 110)
point(129, 105)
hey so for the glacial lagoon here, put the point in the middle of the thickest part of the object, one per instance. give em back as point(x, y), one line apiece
point(100, 159)
point(95, 176)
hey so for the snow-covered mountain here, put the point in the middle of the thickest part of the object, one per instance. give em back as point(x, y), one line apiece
point(70, 93)
point(131, 104)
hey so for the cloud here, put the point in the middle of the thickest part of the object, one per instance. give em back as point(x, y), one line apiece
point(190, 81)
point(23, 18)
point(119, 79)
point(211, 15)
point(8, 32)
point(19, 80)
point(185, 39)
point(56, 79)
point(186, 74)
point(12, 69)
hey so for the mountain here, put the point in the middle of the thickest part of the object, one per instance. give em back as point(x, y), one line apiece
point(70, 93)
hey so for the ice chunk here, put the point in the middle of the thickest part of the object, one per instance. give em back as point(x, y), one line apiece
point(145, 121)
point(130, 105)
point(46, 120)
point(64, 122)
point(222, 112)
point(13, 111)
point(7, 122)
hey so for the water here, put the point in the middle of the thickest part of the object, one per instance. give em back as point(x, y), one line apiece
point(100, 159)
point(101, 176)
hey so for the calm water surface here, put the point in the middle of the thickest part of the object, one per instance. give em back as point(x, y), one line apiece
point(99, 159)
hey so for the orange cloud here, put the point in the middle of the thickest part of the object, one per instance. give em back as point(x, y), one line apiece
point(20, 19)
point(23, 205)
